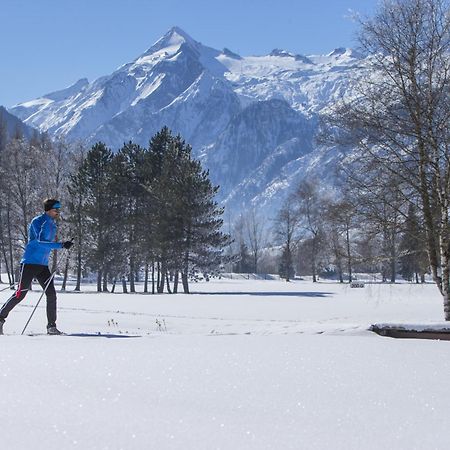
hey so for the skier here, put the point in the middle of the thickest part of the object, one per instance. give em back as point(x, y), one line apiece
point(34, 264)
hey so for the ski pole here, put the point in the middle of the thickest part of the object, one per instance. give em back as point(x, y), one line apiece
point(8, 287)
point(43, 292)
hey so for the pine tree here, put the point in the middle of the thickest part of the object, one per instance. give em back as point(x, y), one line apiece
point(93, 182)
point(187, 220)
point(127, 191)
point(202, 222)
point(77, 197)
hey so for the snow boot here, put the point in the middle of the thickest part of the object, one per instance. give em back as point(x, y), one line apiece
point(2, 321)
point(52, 330)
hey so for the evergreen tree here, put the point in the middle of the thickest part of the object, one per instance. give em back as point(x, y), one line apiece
point(77, 198)
point(93, 183)
point(163, 186)
point(127, 192)
point(202, 222)
point(186, 220)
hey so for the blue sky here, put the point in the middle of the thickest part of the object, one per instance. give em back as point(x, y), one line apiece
point(46, 45)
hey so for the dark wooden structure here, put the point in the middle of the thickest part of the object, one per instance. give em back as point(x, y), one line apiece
point(403, 332)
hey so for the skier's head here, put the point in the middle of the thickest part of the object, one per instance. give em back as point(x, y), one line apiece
point(52, 207)
point(51, 203)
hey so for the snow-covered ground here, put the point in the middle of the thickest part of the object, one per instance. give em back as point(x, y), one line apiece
point(236, 365)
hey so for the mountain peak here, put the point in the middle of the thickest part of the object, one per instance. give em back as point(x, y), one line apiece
point(178, 31)
point(171, 41)
point(337, 52)
point(230, 54)
point(281, 52)
point(345, 52)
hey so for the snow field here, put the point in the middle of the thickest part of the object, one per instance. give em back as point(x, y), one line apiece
point(239, 365)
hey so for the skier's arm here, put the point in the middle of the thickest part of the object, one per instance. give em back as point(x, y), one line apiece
point(44, 243)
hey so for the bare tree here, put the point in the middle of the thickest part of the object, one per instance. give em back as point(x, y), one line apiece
point(401, 115)
point(255, 236)
point(310, 209)
point(340, 223)
point(285, 231)
point(242, 256)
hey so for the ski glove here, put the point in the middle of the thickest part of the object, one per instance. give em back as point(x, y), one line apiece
point(67, 244)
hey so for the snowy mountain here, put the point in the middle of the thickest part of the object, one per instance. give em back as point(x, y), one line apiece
point(13, 125)
point(251, 119)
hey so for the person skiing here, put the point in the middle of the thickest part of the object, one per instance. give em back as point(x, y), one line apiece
point(34, 264)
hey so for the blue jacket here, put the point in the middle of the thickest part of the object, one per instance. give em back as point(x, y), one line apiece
point(41, 236)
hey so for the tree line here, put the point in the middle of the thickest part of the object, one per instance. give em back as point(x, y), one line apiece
point(393, 208)
point(338, 236)
point(390, 212)
point(139, 213)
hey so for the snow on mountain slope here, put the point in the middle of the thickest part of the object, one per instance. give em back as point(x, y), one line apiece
point(308, 84)
point(199, 114)
point(251, 137)
point(248, 118)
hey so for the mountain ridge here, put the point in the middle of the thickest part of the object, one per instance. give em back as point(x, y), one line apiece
point(245, 116)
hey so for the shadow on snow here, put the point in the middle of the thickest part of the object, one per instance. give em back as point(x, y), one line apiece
point(103, 335)
point(272, 294)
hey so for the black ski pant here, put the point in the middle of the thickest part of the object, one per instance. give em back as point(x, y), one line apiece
point(42, 275)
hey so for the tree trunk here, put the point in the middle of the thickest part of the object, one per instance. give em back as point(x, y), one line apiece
point(66, 274)
point(349, 256)
point(184, 281)
point(184, 273)
point(445, 258)
point(168, 283)
point(162, 277)
point(428, 215)
point(124, 286)
point(313, 260)
point(10, 246)
point(339, 267)
point(132, 271)
point(146, 279)
point(8, 270)
point(105, 283)
point(393, 258)
point(99, 281)
point(175, 282)
point(54, 260)
point(113, 286)
point(78, 285)
point(158, 275)
point(153, 277)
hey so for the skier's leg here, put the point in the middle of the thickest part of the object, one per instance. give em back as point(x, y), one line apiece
point(43, 277)
point(27, 273)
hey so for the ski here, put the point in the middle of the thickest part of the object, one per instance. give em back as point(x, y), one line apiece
point(88, 335)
